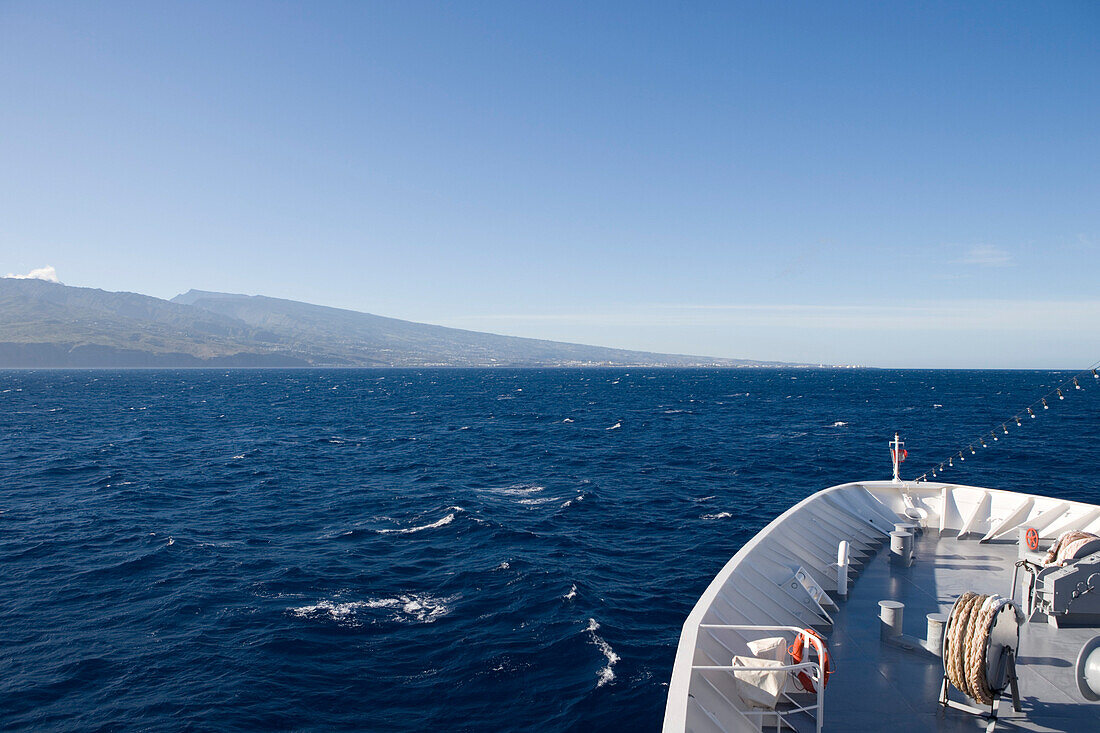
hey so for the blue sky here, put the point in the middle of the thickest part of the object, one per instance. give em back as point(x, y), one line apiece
point(877, 183)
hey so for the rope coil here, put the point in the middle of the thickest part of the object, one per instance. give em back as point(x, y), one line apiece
point(967, 644)
point(1066, 546)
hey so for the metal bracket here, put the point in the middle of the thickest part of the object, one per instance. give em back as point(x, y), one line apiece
point(1009, 681)
point(800, 586)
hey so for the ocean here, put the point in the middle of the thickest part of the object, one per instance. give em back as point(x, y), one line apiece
point(485, 549)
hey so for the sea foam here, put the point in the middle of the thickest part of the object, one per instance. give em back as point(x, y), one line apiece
point(518, 490)
point(414, 608)
point(606, 673)
point(409, 530)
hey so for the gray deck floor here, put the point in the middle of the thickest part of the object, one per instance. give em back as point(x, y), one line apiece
point(880, 687)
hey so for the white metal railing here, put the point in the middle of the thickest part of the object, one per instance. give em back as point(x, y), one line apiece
point(815, 711)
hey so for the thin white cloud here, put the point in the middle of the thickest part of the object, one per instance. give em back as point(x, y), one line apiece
point(986, 255)
point(959, 315)
point(47, 273)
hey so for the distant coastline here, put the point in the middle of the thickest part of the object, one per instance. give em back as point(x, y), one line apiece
point(48, 325)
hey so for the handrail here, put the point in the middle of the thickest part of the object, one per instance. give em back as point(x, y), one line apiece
point(814, 668)
point(754, 627)
point(809, 666)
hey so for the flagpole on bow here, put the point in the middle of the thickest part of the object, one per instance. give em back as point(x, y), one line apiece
point(898, 453)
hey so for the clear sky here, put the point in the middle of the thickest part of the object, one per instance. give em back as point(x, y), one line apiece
point(892, 184)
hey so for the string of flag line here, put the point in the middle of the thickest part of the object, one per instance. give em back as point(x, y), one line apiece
point(1073, 384)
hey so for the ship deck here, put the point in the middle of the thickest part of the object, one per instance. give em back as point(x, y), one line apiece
point(786, 578)
point(876, 686)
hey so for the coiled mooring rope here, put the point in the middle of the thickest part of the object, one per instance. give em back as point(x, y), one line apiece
point(954, 653)
point(1066, 546)
point(968, 641)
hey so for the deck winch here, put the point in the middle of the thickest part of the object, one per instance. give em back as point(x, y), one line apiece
point(1071, 594)
point(1065, 582)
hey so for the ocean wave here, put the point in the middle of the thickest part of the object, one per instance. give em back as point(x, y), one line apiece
point(418, 608)
point(719, 515)
point(434, 525)
point(840, 424)
point(538, 500)
point(517, 490)
point(328, 609)
point(616, 426)
point(606, 673)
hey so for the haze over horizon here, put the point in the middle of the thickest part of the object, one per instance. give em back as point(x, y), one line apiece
point(858, 183)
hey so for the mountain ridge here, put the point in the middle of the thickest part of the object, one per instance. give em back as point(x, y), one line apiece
point(46, 324)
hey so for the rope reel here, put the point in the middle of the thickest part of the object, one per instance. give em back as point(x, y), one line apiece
point(980, 629)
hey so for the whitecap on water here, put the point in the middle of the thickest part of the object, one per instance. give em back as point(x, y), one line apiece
point(616, 426)
point(606, 673)
point(719, 515)
point(539, 500)
point(327, 609)
point(571, 594)
point(575, 500)
point(438, 523)
point(518, 489)
point(421, 608)
point(840, 424)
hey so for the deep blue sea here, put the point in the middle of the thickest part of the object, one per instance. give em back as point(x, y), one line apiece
point(455, 549)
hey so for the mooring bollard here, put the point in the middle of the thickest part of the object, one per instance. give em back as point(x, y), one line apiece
point(934, 638)
point(890, 614)
point(901, 548)
point(907, 527)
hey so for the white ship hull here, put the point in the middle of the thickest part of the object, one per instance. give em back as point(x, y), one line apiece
point(967, 541)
